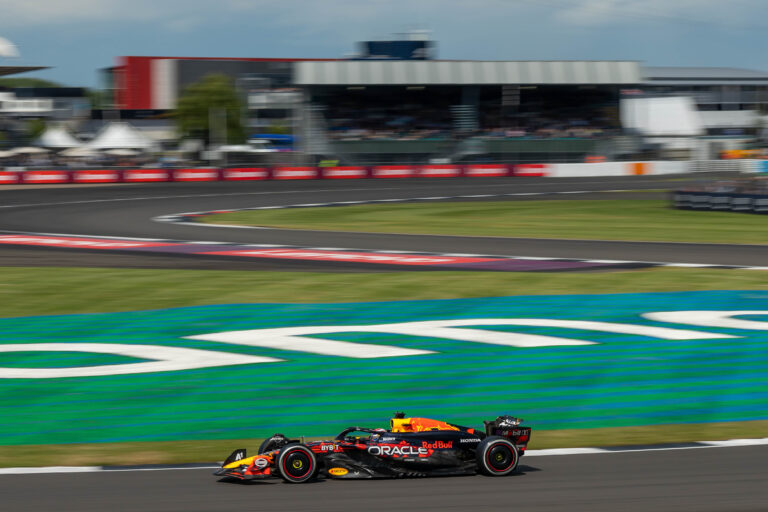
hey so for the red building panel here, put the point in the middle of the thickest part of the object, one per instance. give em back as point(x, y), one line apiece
point(133, 77)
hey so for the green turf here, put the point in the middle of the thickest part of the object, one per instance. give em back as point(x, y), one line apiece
point(644, 219)
point(48, 290)
point(44, 291)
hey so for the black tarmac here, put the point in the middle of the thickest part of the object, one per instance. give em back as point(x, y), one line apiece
point(128, 211)
point(696, 480)
point(700, 480)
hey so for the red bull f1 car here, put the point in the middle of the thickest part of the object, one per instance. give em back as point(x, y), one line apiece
point(411, 447)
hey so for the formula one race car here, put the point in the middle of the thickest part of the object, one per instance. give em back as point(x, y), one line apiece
point(412, 447)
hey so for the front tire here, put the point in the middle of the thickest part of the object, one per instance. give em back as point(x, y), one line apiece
point(296, 463)
point(497, 456)
point(273, 443)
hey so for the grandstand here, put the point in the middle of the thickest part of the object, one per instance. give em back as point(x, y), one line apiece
point(376, 108)
point(401, 111)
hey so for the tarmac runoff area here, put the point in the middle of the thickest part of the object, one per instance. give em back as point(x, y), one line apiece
point(128, 212)
point(728, 478)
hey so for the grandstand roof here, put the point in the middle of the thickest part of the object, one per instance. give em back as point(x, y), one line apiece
point(703, 76)
point(442, 72)
point(12, 70)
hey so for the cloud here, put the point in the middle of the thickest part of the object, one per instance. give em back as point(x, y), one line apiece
point(379, 17)
point(619, 12)
point(58, 12)
point(308, 13)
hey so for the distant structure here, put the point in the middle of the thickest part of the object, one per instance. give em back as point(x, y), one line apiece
point(413, 45)
point(9, 50)
point(394, 101)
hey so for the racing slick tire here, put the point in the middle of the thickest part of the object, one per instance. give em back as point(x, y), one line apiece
point(274, 442)
point(497, 456)
point(296, 463)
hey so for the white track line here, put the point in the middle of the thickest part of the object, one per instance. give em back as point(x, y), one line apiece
point(350, 249)
point(730, 443)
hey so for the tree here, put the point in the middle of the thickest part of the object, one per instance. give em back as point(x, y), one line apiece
point(35, 128)
point(211, 100)
point(98, 99)
point(13, 83)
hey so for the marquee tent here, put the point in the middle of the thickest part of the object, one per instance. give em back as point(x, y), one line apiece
point(120, 135)
point(57, 137)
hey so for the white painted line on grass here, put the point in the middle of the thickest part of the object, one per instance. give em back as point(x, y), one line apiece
point(50, 469)
point(737, 442)
point(699, 445)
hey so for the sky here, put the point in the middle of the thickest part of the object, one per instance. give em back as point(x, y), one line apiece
point(79, 37)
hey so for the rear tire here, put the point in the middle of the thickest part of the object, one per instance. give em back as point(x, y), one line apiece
point(296, 463)
point(497, 456)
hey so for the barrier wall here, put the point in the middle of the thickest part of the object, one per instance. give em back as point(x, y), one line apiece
point(295, 173)
point(245, 174)
point(335, 173)
point(196, 175)
point(7, 178)
point(439, 171)
point(532, 170)
point(487, 170)
point(146, 176)
point(393, 171)
point(572, 170)
point(583, 170)
point(721, 201)
point(45, 177)
point(96, 176)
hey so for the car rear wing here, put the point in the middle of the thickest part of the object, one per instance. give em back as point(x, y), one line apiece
point(509, 427)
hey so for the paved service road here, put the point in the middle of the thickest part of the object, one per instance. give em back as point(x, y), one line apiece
point(692, 480)
point(128, 210)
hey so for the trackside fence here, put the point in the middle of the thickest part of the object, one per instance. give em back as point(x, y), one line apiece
point(148, 175)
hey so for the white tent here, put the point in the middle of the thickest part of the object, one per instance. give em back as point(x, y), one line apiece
point(122, 152)
point(29, 150)
point(81, 151)
point(120, 135)
point(665, 116)
point(57, 137)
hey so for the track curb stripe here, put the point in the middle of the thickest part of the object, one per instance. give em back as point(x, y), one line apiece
point(240, 250)
point(191, 219)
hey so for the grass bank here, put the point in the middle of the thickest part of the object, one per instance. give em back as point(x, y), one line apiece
point(46, 291)
point(635, 220)
point(50, 291)
point(177, 452)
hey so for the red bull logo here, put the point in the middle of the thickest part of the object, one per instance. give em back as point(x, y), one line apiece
point(437, 444)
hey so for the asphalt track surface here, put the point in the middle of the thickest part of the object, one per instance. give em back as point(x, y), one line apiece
point(128, 210)
point(711, 479)
point(695, 480)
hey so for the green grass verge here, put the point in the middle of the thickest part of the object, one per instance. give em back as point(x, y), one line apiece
point(178, 452)
point(639, 220)
point(45, 291)
point(49, 291)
